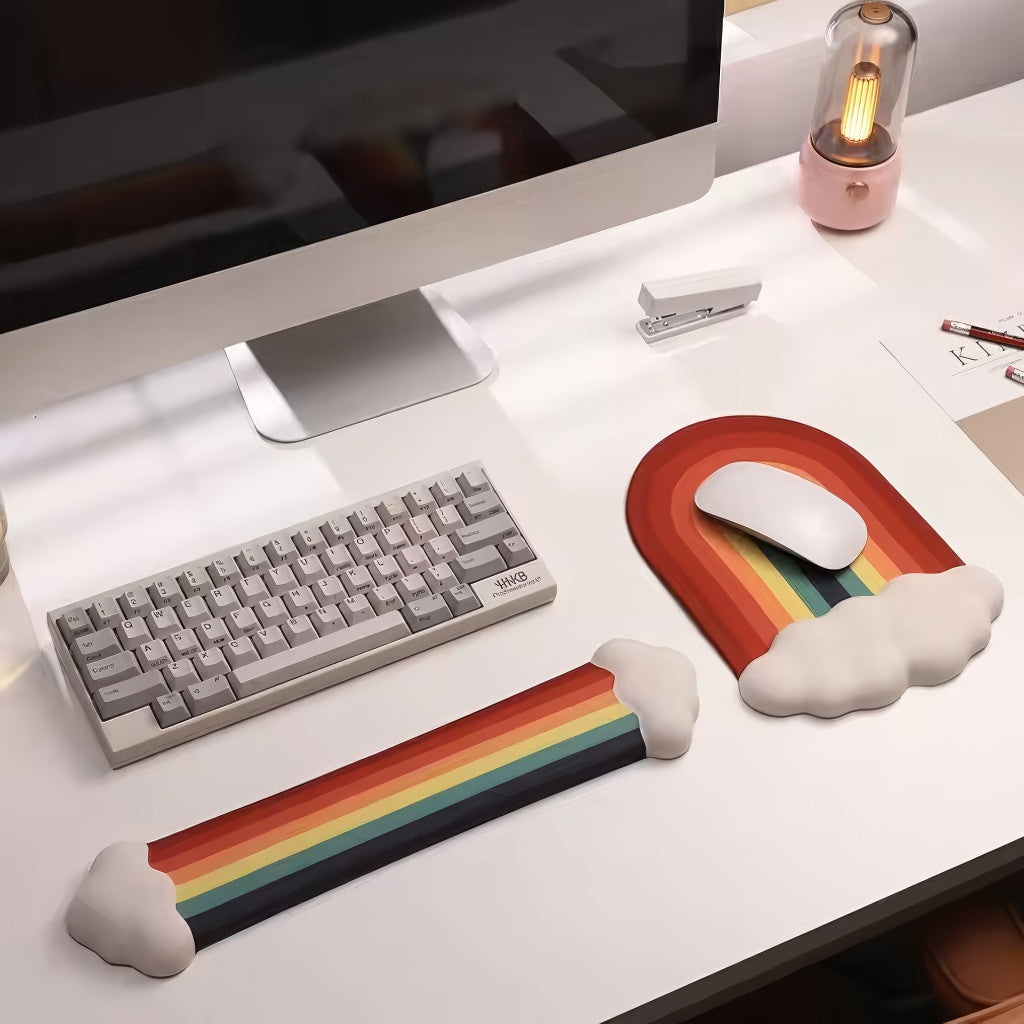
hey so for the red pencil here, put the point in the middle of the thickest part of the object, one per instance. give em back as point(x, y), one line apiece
point(969, 331)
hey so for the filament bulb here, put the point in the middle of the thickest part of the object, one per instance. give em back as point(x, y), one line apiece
point(858, 120)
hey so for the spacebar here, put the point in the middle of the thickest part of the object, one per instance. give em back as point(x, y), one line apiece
point(319, 653)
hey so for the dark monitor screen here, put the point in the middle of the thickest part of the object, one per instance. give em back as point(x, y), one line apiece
point(146, 144)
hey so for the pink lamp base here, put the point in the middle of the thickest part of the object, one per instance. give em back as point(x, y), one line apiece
point(847, 198)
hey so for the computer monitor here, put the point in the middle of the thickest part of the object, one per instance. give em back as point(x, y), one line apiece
point(285, 181)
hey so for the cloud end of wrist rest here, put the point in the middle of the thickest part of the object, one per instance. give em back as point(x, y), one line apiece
point(154, 905)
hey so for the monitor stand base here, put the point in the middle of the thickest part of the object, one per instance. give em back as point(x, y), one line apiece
point(353, 366)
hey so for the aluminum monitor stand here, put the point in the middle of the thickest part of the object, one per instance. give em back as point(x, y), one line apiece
point(358, 364)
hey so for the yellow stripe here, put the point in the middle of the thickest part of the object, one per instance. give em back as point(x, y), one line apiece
point(868, 574)
point(772, 578)
point(396, 801)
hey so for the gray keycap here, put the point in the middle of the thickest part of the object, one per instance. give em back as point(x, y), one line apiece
point(252, 561)
point(129, 694)
point(325, 650)
point(251, 590)
point(336, 559)
point(196, 582)
point(472, 481)
point(153, 655)
point(94, 647)
point(164, 592)
point(446, 491)
point(180, 674)
point(208, 695)
point(210, 663)
point(412, 588)
point(412, 560)
point(308, 570)
point(280, 580)
point(328, 591)
point(135, 601)
point(298, 630)
point(365, 549)
point(461, 599)
point(392, 539)
point(439, 550)
point(391, 510)
point(446, 519)
point(269, 641)
point(162, 622)
point(384, 570)
point(213, 633)
point(420, 529)
point(309, 541)
point(132, 633)
point(300, 601)
point(356, 609)
point(419, 500)
point(338, 530)
point(281, 550)
point(357, 580)
point(327, 620)
point(479, 507)
point(515, 551)
point(240, 652)
point(104, 612)
point(427, 612)
point(440, 577)
point(224, 572)
point(183, 644)
point(483, 534)
point(478, 565)
point(242, 623)
point(223, 601)
point(169, 709)
point(384, 599)
point(271, 612)
point(110, 670)
point(192, 611)
point(365, 520)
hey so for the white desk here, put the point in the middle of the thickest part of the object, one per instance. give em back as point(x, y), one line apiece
point(649, 880)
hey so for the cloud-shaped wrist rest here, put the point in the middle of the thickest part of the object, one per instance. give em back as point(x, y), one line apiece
point(152, 906)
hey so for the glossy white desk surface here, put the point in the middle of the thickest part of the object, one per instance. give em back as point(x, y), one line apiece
point(649, 879)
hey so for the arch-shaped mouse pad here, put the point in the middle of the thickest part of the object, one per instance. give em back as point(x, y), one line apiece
point(743, 592)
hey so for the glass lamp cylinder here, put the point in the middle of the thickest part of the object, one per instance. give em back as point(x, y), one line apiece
point(850, 162)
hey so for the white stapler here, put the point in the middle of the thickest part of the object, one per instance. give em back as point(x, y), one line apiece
point(680, 304)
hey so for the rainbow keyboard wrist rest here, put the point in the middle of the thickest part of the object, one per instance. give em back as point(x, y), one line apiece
point(154, 905)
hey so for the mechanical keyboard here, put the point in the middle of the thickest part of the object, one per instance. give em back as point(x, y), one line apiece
point(192, 649)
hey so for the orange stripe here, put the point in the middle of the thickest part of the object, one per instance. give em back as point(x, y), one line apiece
point(295, 827)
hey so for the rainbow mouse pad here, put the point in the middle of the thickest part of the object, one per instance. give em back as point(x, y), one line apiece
point(744, 592)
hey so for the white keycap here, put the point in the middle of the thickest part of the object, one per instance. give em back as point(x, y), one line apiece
point(384, 599)
point(242, 622)
point(412, 560)
point(252, 561)
point(129, 695)
point(180, 674)
point(192, 611)
point(308, 570)
point(479, 507)
point(240, 652)
point(310, 541)
point(94, 647)
point(281, 550)
point(446, 519)
point(269, 641)
point(384, 570)
point(110, 670)
point(391, 510)
point(210, 663)
point(478, 565)
point(300, 601)
point(213, 633)
point(356, 609)
point(105, 611)
point(461, 599)
point(74, 623)
point(298, 630)
point(224, 572)
point(165, 592)
point(135, 601)
point(251, 590)
point(327, 620)
point(223, 601)
point(412, 588)
point(280, 580)
point(420, 529)
point(446, 491)
point(428, 612)
point(133, 633)
point(195, 582)
point(153, 655)
point(328, 591)
point(357, 580)
point(365, 549)
point(472, 481)
point(183, 644)
point(515, 551)
point(208, 695)
point(440, 550)
point(338, 530)
point(163, 622)
point(392, 539)
point(169, 709)
point(483, 534)
point(271, 612)
point(419, 500)
point(440, 577)
point(365, 520)
point(336, 559)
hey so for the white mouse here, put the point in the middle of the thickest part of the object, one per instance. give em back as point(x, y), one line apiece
point(786, 510)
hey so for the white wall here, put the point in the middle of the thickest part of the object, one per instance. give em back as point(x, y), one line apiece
point(773, 54)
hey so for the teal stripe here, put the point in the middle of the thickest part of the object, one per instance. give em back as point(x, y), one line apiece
point(853, 584)
point(405, 816)
point(796, 578)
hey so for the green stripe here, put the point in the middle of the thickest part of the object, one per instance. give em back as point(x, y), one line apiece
point(853, 584)
point(790, 569)
point(405, 816)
